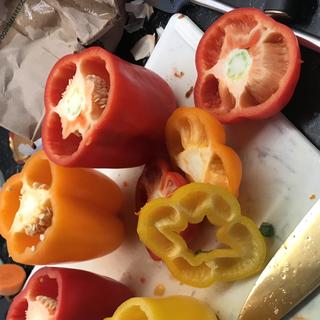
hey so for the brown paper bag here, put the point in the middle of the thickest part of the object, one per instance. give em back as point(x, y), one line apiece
point(34, 34)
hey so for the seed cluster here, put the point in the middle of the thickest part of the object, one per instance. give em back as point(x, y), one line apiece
point(49, 303)
point(43, 220)
point(40, 223)
point(100, 92)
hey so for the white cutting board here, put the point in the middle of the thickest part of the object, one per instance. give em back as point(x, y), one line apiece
point(281, 171)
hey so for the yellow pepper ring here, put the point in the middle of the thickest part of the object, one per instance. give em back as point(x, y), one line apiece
point(169, 308)
point(162, 220)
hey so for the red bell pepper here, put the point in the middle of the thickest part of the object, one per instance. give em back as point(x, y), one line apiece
point(101, 111)
point(248, 66)
point(67, 294)
point(158, 181)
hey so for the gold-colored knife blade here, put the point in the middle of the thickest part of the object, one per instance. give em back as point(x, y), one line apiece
point(291, 275)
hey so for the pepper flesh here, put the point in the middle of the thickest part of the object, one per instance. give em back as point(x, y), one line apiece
point(101, 111)
point(64, 294)
point(244, 250)
point(51, 214)
point(169, 308)
point(196, 144)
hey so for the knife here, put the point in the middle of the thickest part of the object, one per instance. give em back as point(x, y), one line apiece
point(274, 8)
point(291, 275)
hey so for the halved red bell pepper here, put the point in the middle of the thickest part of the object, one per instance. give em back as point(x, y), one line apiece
point(102, 111)
point(66, 294)
point(248, 66)
point(158, 181)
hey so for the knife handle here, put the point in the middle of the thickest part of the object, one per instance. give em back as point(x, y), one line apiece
point(308, 40)
point(214, 5)
point(304, 39)
point(282, 9)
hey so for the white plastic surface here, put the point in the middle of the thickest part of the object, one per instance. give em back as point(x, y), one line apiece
point(281, 173)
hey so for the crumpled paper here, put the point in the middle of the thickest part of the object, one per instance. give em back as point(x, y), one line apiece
point(138, 11)
point(143, 47)
point(34, 34)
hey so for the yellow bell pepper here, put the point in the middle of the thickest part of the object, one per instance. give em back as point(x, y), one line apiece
point(162, 220)
point(169, 308)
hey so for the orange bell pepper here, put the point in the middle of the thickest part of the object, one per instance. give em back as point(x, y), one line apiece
point(51, 214)
point(196, 144)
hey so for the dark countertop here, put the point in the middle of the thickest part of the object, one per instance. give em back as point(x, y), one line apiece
point(303, 110)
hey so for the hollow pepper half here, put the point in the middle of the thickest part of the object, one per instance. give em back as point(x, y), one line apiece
point(101, 111)
point(248, 66)
point(168, 308)
point(67, 294)
point(243, 249)
point(51, 214)
point(196, 144)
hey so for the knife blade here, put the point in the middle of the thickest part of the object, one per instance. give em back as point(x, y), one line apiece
point(291, 275)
